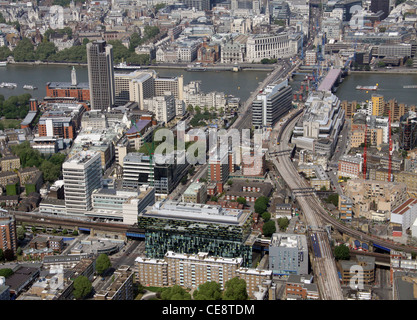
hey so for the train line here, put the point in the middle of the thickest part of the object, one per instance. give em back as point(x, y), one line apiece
point(323, 262)
point(316, 217)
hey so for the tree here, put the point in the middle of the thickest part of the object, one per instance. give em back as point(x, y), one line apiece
point(381, 64)
point(4, 53)
point(283, 223)
point(82, 287)
point(409, 63)
point(102, 263)
point(20, 233)
point(6, 272)
point(175, 293)
point(266, 216)
point(235, 289)
point(342, 252)
point(150, 32)
point(24, 51)
point(261, 204)
point(269, 228)
point(44, 50)
point(241, 200)
point(210, 290)
point(135, 40)
point(334, 199)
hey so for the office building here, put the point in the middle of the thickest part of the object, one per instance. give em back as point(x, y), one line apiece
point(395, 50)
point(142, 87)
point(139, 169)
point(218, 169)
point(234, 50)
point(121, 205)
point(405, 214)
point(196, 193)
point(121, 86)
point(175, 85)
point(82, 175)
point(271, 104)
point(311, 58)
point(319, 179)
point(288, 254)
point(61, 120)
point(200, 5)
point(268, 46)
point(359, 272)
point(8, 239)
point(74, 89)
point(162, 106)
point(350, 166)
point(101, 75)
point(319, 127)
point(196, 227)
point(408, 131)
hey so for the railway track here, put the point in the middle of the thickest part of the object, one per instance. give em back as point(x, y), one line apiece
point(323, 263)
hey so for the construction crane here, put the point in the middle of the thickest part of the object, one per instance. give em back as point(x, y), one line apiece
point(390, 148)
point(364, 151)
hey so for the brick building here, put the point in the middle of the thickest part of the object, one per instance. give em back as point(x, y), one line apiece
point(8, 239)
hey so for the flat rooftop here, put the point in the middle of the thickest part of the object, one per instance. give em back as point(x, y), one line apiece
point(203, 213)
point(68, 85)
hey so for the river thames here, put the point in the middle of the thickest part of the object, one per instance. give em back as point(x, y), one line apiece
point(239, 84)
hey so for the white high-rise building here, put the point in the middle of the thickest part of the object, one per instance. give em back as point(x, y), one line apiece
point(163, 107)
point(82, 175)
point(271, 104)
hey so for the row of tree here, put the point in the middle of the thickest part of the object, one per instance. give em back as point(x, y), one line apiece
point(50, 166)
point(235, 289)
point(46, 51)
point(15, 107)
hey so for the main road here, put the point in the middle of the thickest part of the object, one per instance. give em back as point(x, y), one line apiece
point(245, 114)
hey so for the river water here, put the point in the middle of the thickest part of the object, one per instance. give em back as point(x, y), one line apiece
point(239, 84)
point(389, 85)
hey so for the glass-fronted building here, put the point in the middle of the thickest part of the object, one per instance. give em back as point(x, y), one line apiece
point(192, 228)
